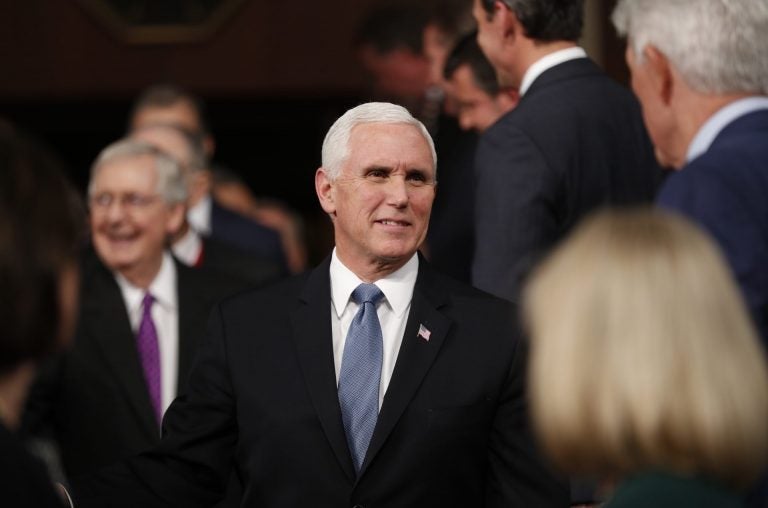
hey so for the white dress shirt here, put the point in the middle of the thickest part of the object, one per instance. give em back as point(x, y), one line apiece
point(187, 249)
point(199, 216)
point(392, 310)
point(717, 122)
point(165, 314)
point(546, 63)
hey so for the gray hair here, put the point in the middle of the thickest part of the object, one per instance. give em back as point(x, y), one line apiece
point(718, 46)
point(170, 178)
point(195, 158)
point(336, 143)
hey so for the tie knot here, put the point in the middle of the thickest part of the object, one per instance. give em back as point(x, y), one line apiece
point(367, 293)
point(148, 301)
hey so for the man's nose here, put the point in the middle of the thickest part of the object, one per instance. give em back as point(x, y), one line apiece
point(465, 122)
point(115, 211)
point(397, 190)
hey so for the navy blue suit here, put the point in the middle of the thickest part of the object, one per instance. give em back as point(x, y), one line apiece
point(575, 142)
point(232, 228)
point(725, 190)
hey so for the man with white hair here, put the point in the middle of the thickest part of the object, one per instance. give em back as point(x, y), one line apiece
point(370, 381)
point(700, 70)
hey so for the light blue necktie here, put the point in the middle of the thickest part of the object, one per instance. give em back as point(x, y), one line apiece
point(361, 372)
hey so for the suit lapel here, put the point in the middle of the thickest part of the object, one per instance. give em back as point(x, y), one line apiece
point(415, 357)
point(314, 344)
point(192, 315)
point(106, 319)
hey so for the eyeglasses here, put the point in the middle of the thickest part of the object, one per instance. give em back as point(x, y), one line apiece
point(129, 201)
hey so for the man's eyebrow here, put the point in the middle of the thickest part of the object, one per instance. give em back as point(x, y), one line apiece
point(377, 167)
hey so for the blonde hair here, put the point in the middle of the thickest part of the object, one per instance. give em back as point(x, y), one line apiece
point(643, 355)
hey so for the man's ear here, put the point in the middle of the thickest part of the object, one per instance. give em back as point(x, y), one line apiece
point(325, 190)
point(660, 73)
point(175, 218)
point(507, 20)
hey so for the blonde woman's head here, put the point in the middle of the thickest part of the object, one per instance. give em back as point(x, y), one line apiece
point(643, 355)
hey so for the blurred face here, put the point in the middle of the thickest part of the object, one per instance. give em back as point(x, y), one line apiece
point(180, 113)
point(382, 198)
point(398, 73)
point(476, 109)
point(129, 219)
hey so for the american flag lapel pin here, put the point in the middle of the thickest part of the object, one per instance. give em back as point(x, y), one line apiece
point(424, 333)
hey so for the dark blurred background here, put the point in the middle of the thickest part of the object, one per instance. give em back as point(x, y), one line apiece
point(274, 73)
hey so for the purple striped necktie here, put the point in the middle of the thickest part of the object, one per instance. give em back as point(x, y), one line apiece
point(149, 354)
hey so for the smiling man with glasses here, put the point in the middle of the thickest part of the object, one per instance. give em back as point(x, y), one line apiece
point(142, 315)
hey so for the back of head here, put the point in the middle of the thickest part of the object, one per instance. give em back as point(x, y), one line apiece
point(716, 45)
point(467, 52)
point(41, 229)
point(336, 143)
point(651, 361)
point(546, 20)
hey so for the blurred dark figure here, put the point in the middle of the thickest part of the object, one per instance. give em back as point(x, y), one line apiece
point(259, 231)
point(187, 245)
point(41, 229)
point(404, 46)
point(575, 142)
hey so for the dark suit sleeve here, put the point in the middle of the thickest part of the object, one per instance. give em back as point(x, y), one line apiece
point(727, 214)
point(514, 217)
point(192, 464)
point(519, 475)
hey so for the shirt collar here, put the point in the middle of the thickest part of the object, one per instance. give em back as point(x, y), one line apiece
point(397, 286)
point(162, 288)
point(717, 122)
point(547, 62)
point(199, 216)
point(187, 248)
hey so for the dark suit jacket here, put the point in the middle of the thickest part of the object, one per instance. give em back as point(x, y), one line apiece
point(232, 228)
point(24, 482)
point(725, 190)
point(451, 237)
point(93, 401)
point(238, 264)
point(575, 142)
point(452, 431)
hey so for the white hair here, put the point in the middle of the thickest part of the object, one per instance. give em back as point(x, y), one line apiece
point(718, 46)
point(336, 143)
point(170, 177)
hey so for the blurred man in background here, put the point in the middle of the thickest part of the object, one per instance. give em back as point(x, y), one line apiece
point(478, 98)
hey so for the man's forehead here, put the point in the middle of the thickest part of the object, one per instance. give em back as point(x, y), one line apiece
point(129, 168)
point(387, 140)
